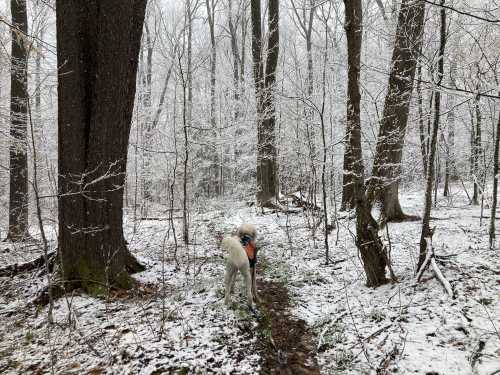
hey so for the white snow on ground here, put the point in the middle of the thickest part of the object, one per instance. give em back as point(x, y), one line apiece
point(177, 323)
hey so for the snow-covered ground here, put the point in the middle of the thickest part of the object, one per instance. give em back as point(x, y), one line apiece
point(176, 322)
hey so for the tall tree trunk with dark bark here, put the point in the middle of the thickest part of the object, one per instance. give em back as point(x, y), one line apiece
point(384, 183)
point(495, 185)
point(450, 169)
point(367, 240)
point(267, 173)
point(215, 178)
point(187, 117)
point(18, 199)
point(426, 230)
point(95, 104)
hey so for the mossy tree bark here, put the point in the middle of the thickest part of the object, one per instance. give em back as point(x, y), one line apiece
point(95, 104)
point(384, 183)
point(18, 199)
point(367, 239)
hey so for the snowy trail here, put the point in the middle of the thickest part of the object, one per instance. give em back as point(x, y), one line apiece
point(286, 343)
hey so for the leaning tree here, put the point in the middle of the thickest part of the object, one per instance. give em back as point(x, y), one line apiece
point(98, 47)
point(371, 248)
point(384, 183)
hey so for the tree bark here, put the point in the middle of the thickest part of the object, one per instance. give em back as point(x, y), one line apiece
point(215, 179)
point(450, 173)
point(422, 131)
point(495, 185)
point(477, 151)
point(95, 104)
point(187, 118)
point(384, 183)
point(18, 198)
point(267, 173)
point(147, 127)
point(305, 22)
point(426, 230)
point(367, 240)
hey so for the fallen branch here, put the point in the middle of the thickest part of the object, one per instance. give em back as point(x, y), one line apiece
point(441, 278)
point(425, 264)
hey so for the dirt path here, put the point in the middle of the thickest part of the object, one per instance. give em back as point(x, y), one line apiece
point(286, 344)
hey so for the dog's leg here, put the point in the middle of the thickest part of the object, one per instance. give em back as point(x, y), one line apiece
point(254, 286)
point(248, 284)
point(232, 281)
point(228, 281)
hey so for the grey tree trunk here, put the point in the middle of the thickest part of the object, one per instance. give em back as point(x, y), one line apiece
point(267, 172)
point(95, 105)
point(147, 127)
point(422, 131)
point(384, 183)
point(477, 151)
point(18, 196)
point(426, 230)
point(367, 240)
point(187, 118)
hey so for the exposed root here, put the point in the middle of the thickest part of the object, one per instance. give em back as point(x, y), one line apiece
point(15, 269)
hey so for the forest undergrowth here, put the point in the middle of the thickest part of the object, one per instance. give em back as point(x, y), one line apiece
point(314, 317)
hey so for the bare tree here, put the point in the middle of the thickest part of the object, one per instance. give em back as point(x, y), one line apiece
point(304, 19)
point(450, 168)
point(477, 150)
point(18, 202)
point(426, 230)
point(95, 105)
point(367, 240)
point(384, 183)
point(495, 185)
point(267, 179)
point(215, 178)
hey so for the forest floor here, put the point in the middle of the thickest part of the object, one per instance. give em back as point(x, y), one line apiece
point(313, 318)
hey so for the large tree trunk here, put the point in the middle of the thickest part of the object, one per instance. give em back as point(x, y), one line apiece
point(267, 173)
point(384, 183)
point(426, 230)
point(18, 199)
point(95, 104)
point(367, 239)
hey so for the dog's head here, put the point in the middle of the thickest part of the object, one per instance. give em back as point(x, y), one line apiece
point(247, 230)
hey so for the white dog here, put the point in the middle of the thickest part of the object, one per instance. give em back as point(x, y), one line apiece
point(241, 256)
